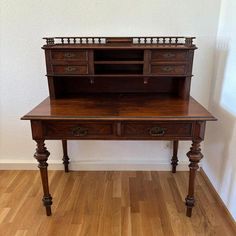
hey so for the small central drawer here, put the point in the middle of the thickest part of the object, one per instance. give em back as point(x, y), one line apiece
point(78, 130)
point(79, 55)
point(168, 69)
point(169, 55)
point(71, 69)
point(157, 130)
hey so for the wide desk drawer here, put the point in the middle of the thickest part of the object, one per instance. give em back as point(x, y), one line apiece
point(118, 130)
point(157, 130)
point(78, 129)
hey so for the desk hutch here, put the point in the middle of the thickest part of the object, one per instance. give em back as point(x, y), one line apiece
point(119, 88)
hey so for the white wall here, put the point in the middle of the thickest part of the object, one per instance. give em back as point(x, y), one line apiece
point(23, 84)
point(220, 158)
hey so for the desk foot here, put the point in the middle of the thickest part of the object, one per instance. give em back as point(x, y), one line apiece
point(47, 202)
point(174, 160)
point(42, 155)
point(194, 156)
point(189, 212)
point(65, 156)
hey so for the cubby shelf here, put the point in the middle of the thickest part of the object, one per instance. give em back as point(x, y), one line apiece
point(119, 62)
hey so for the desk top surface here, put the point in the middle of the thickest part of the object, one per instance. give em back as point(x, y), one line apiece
point(119, 107)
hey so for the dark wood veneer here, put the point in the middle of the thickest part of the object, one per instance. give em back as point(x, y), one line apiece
point(119, 88)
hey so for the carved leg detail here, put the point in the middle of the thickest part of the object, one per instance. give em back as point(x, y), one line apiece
point(174, 160)
point(194, 156)
point(65, 155)
point(42, 156)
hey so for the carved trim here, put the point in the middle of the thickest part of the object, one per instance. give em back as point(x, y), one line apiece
point(156, 40)
point(41, 153)
point(174, 159)
point(194, 156)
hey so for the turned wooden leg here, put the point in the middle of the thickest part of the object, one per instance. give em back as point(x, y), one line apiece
point(42, 155)
point(174, 160)
point(194, 156)
point(65, 155)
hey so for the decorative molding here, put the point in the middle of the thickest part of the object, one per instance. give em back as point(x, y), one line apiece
point(158, 40)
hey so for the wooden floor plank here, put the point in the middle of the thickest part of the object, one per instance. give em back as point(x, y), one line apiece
point(108, 203)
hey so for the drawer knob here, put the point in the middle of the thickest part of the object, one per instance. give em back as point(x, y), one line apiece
point(79, 131)
point(167, 68)
point(168, 55)
point(70, 68)
point(69, 55)
point(157, 131)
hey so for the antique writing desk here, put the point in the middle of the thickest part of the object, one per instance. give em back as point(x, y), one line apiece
point(119, 89)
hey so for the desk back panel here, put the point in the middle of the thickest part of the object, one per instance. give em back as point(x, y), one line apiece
point(119, 65)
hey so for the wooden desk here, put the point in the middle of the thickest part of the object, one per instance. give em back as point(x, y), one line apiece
point(119, 117)
point(119, 89)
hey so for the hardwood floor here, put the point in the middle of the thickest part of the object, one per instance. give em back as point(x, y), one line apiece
point(108, 203)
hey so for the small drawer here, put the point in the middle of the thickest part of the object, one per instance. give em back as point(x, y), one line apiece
point(155, 130)
point(70, 70)
point(79, 55)
point(169, 55)
point(78, 130)
point(168, 69)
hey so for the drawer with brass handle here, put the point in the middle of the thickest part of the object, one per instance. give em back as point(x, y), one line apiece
point(168, 69)
point(79, 55)
point(169, 55)
point(79, 129)
point(70, 70)
point(155, 130)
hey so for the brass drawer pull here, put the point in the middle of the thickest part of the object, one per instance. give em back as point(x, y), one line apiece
point(168, 68)
point(79, 131)
point(70, 69)
point(168, 55)
point(69, 55)
point(157, 131)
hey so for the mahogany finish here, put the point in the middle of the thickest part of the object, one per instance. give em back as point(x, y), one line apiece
point(65, 155)
point(174, 160)
point(123, 88)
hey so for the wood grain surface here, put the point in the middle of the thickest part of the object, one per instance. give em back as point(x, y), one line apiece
point(120, 107)
point(108, 203)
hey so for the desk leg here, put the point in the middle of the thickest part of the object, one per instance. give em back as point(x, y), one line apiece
point(174, 160)
point(194, 156)
point(65, 155)
point(42, 155)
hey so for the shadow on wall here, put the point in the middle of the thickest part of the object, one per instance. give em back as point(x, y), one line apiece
point(220, 161)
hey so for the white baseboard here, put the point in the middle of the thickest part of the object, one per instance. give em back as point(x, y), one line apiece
point(95, 165)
